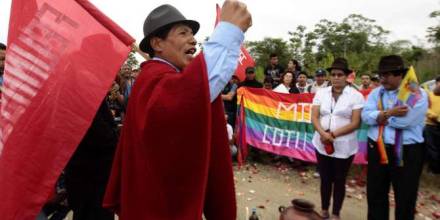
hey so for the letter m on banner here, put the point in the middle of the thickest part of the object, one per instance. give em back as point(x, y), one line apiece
point(61, 59)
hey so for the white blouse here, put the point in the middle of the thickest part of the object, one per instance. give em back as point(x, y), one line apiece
point(334, 115)
point(281, 88)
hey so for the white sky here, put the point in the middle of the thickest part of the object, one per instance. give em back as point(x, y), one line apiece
point(406, 19)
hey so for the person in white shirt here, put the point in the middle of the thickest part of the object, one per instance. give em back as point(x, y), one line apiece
point(302, 84)
point(320, 81)
point(287, 84)
point(231, 138)
point(336, 114)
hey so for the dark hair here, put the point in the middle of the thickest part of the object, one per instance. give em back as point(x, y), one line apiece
point(268, 79)
point(297, 65)
point(161, 33)
point(437, 79)
point(292, 84)
point(303, 73)
point(273, 55)
point(2, 46)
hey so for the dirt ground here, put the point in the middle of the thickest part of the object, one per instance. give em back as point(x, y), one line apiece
point(266, 187)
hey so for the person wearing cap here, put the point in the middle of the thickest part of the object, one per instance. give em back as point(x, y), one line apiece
point(320, 80)
point(250, 80)
point(173, 160)
point(393, 128)
point(336, 115)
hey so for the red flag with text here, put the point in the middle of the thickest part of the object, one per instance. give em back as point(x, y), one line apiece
point(245, 60)
point(61, 59)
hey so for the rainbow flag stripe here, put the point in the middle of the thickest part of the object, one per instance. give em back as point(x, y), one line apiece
point(281, 124)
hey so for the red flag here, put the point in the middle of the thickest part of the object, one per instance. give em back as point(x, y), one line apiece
point(245, 60)
point(61, 59)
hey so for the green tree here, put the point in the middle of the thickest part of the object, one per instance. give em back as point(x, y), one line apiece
point(261, 50)
point(357, 38)
point(131, 59)
point(434, 31)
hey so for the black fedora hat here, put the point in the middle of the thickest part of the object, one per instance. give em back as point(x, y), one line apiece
point(340, 64)
point(391, 63)
point(160, 17)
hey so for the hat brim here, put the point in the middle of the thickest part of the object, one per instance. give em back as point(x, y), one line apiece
point(346, 71)
point(144, 46)
point(392, 70)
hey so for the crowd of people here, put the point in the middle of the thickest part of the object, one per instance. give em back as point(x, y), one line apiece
point(175, 93)
point(339, 109)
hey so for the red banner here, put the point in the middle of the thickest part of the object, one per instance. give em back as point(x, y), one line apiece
point(245, 60)
point(61, 59)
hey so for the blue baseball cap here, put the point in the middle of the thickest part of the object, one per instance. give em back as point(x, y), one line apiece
point(320, 72)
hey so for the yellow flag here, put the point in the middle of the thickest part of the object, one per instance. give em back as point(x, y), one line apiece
point(409, 91)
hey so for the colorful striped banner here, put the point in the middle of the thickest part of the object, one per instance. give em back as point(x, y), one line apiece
point(281, 124)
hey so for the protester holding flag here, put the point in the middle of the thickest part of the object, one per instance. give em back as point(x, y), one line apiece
point(336, 115)
point(61, 60)
point(395, 113)
point(173, 159)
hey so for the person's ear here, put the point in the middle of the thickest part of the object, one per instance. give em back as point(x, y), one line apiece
point(157, 44)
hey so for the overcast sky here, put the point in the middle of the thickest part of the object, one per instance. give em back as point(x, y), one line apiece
point(406, 19)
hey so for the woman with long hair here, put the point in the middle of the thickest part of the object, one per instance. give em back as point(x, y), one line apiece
point(288, 84)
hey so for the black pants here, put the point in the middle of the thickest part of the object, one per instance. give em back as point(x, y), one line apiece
point(333, 172)
point(405, 181)
point(432, 137)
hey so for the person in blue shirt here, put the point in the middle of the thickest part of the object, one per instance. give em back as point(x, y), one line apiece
point(391, 124)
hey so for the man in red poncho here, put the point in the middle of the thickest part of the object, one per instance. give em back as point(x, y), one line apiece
point(173, 159)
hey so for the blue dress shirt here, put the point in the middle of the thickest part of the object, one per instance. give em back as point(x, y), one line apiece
point(412, 123)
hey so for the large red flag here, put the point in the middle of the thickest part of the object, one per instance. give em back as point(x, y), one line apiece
point(245, 60)
point(61, 59)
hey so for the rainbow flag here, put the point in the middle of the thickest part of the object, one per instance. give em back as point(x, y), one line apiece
point(280, 124)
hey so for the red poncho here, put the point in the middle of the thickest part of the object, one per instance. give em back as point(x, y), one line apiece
point(173, 159)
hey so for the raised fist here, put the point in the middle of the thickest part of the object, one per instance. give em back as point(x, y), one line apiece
point(236, 12)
